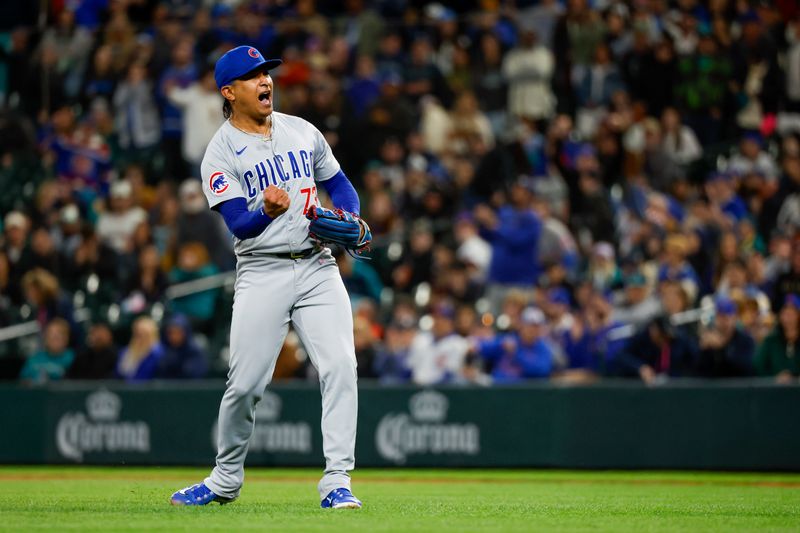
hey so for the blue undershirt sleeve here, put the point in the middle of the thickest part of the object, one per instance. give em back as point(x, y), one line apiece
point(243, 223)
point(342, 193)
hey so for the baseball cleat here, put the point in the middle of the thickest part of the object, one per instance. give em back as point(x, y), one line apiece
point(341, 499)
point(197, 494)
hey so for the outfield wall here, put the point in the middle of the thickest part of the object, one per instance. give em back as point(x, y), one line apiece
point(689, 425)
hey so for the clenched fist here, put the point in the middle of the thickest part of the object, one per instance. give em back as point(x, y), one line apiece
point(276, 201)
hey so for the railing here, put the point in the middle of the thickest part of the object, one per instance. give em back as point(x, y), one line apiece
point(226, 279)
point(83, 314)
point(23, 329)
point(179, 290)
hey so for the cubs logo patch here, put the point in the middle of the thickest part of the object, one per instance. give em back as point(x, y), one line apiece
point(218, 183)
point(252, 52)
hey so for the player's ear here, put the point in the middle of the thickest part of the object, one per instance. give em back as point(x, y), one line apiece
point(227, 93)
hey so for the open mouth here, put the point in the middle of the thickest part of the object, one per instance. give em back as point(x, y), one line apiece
point(265, 96)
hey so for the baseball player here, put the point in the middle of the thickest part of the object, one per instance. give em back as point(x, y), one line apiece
point(260, 172)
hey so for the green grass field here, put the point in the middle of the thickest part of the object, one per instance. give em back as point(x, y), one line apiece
point(126, 498)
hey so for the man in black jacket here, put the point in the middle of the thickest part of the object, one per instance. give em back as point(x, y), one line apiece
point(99, 358)
point(725, 350)
point(658, 350)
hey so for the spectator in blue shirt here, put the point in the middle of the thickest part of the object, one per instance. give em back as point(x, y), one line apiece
point(595, 340)
point(89, 13)
point(523, 354)
point(391, 356)
point(139, 360)
point(363, 88)
point(721, 191)
point(183, 358)
point(181, 73)
point(513, 231)
point(82, 157)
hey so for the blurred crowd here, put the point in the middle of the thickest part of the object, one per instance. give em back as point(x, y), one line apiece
point(563, 189)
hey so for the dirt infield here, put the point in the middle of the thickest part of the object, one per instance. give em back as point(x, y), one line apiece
point(263, 476)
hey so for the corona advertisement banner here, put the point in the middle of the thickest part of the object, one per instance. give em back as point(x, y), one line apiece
point(740, 426)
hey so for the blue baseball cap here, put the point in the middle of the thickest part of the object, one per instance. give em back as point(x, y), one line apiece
point(719, 176)
point(558, 295)
point(586, 150)
point(725, 306)
point(444, 309)
point(753, 135)
point(749, 16)
point(239, 61)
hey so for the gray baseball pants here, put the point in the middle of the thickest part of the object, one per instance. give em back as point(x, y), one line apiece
point(269, 293)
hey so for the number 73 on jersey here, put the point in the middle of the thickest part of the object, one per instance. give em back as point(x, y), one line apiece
point(311, 198)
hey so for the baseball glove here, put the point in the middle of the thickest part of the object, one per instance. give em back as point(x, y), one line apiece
point(330, 226)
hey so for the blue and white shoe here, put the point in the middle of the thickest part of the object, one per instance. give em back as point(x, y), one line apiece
point(341, 499)
point(197, 494)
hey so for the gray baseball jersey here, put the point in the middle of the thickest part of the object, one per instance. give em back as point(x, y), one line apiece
point(272, 292)
point(241, 165)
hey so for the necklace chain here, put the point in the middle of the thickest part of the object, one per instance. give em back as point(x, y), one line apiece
point(264, 137)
